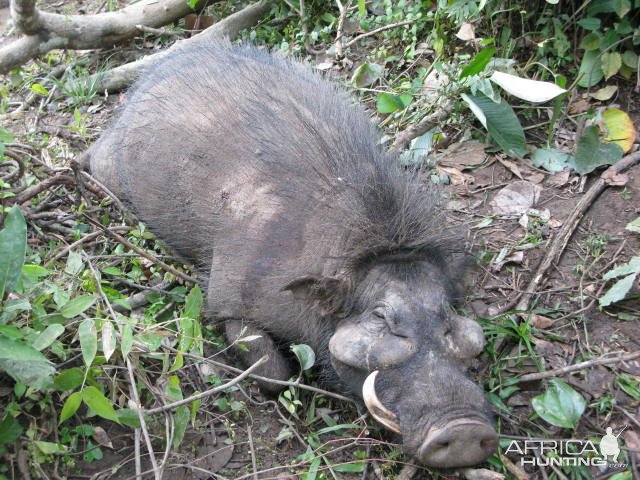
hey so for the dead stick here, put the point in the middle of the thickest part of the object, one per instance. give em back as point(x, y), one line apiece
point(211, 391)
point(566, 231)
point(254, 464)
point(578, 366)
point(275, 381)
point(515, 470)
point(84, 239)
point(377, 30)
point(146, 254)
point(31, 192)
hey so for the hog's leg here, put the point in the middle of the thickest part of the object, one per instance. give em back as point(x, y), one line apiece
point(276, 366)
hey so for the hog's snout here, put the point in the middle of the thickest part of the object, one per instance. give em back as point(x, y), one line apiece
point(459, 443)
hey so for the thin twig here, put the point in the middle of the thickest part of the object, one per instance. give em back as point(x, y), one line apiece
point(515, 470)
point(578, 366)
point(285, 383)
point(254, 464)
point(211, 391)
point(84, 239)
point(377, 30)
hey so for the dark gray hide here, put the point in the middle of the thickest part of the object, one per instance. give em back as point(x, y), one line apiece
point(272, 181)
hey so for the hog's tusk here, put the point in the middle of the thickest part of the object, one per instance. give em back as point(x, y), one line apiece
point(381, 413)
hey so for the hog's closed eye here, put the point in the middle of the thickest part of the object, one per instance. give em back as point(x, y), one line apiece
point(380, 312)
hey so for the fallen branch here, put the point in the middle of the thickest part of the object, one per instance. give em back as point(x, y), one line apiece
point(206, 393)
point(426, 124)
point(31, 192)
point(121, 77)
point(578, 366)
point(557, 247)
point(44, 31)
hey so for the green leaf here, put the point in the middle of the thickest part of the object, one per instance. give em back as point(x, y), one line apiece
point(68, 380)
point(590, 23)
point(367, 74)
point(618, 291)
point(590, 69)
point(181, 421)
point(479, 62)
point(634, 225)
point(193, 303)
point(50, 448)
point(622, 7)
point(33, 272)
point(551, 159)
point(560, 405)
point(611, 63)
point(305, 355)
point(632, 266)
point(75, 264)
point(116, 272)
point(501, 122)
point(77, 305)
point(630, 385)
point(362, 8)
point(592, 153)
point(591, 41)
point(24, 363)
point(88, 340)
point(97, 402)
point(356, 467)
point(48, 336)
point(128, 417)
point(630, 59)
point(126, 342)
point(71, 405)
point(10, 430)
point(389, 103)
point(37, 88)
point(13, 245)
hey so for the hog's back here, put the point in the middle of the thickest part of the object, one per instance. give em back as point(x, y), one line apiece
point(238, 160)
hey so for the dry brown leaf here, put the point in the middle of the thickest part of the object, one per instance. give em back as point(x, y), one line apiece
point(101, 437)
point(515, 198)
point(455, 176)
point(512, 167)
point(536, 177)
point(540, 321)
point(516, 257)
point(462, 155)
point(467, 32)
point(615, 179)
point(580, 106)
point(632, 440)
point(559, 179)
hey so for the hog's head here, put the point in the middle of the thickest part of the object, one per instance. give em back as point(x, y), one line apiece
point(404, 349)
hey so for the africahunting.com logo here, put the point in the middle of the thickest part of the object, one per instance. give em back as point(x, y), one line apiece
point(567, 453)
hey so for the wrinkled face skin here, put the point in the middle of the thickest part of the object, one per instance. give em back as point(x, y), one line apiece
point(403, 328)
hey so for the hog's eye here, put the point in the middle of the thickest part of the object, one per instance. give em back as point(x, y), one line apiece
point(380, 312)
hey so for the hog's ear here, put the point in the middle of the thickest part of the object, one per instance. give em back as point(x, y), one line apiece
point(328, 294)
